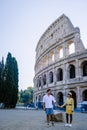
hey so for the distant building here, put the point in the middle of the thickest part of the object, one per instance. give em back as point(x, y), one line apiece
point(61, 63)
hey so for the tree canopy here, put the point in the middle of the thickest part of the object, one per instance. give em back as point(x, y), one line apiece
point(9, 81)
point(26, 96)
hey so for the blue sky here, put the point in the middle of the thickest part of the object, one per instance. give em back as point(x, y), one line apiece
point(22, 22)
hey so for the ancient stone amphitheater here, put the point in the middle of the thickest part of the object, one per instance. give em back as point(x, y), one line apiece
point(61, 63)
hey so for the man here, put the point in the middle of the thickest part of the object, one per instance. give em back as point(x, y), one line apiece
point(48, 100)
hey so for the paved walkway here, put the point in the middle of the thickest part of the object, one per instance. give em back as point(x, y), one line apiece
point(35, 120)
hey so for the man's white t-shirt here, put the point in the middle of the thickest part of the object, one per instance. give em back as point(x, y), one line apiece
point(48, 100)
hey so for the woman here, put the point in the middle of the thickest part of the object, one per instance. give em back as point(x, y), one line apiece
point(69, 109)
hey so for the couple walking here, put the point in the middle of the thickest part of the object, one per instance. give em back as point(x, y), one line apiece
point(48, 100)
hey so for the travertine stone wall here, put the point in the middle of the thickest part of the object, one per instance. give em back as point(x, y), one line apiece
point(62, 58)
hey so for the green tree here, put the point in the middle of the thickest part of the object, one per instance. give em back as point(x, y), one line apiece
point(26, 96)
point(2, 80)
point(11, 82)
point(30, 91)
point(8, 80)
point(15, 82)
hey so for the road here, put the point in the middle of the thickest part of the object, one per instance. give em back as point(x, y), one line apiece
point(16, 119)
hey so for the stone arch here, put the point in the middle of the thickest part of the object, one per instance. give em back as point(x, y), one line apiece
point(50, 77)
point(60, 51)
point(44, 79)
point(60, 98)
point(75, 98)
point(37, 84)
point(39, 98)
point(36, 98)
point(45, 61)
point(84, 95)
point(40, 82)
point(51, 56)
point(59, 75)
point(36, 101)
point(71, 71)
point(84, 68)
point(40, 102)
point(70, 47)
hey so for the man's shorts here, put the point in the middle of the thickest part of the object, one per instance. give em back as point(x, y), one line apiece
point(49, 111)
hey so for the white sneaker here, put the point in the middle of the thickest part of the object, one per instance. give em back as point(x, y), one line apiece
point(48, 124)
point(70, 125)
point(66, 124)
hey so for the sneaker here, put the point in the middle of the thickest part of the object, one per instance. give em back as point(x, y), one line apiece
point(70, 125)
point(48, 125)
point(52, 123)
point(66, 124)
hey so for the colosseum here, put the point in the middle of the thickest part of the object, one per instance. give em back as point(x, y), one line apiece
point(61, 63)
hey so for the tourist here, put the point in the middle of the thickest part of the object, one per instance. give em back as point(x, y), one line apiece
point(69, 109)
point(48, 101)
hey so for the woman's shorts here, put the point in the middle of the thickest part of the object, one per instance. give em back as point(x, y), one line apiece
point(49, 111)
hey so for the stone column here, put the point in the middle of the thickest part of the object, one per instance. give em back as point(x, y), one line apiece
point(64, 50)
point(41, 81)
point(55, 54)
point(77, 68)
point(54, 76)
point(64, 73)
point(47, 78)
point(48, 59)
point(78, 95)
point(80, 69)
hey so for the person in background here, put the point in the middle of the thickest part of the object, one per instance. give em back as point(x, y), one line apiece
point(69, 109)
point(48, 100)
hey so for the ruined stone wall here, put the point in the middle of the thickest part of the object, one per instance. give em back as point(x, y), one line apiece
point(61, 62)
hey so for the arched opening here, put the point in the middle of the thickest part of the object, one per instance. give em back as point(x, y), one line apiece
point(84, 95)
point(36, 102)
point(59, 74)
point(40, 82)
point(60, 98)
point(39, 98)
point(72, 71)
point(51, 77)
point(44, 79)
point(84, 68)
point(61, 52)
point(71, 48)
point(37, 82)
point(45, 61)
point(40, 102)
point(74, 97)
point(51, 57)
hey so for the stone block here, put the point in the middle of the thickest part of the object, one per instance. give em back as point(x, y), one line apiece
point(58, 116)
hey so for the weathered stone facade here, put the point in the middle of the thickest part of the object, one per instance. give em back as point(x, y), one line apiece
point(61, 63)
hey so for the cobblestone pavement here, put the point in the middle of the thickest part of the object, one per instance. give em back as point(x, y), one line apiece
point(36, 120)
